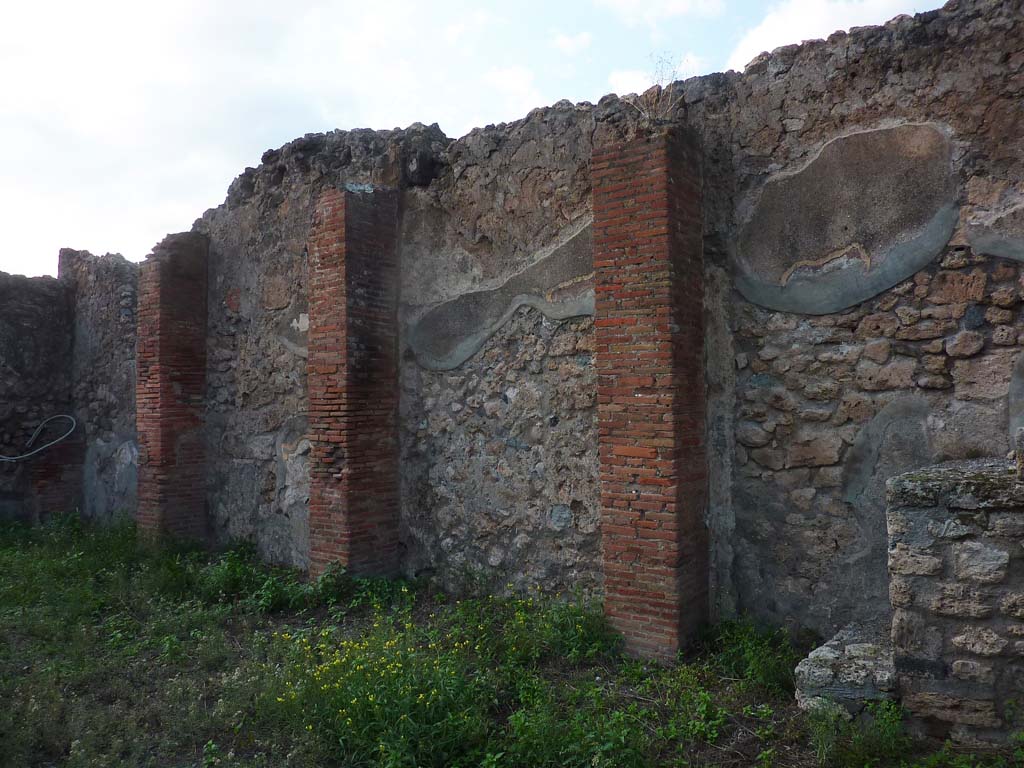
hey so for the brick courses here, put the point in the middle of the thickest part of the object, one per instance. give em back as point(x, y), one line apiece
point(649, 357)
point(170, 387)
point(353, 382)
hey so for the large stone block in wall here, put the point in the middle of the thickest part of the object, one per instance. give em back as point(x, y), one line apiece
point(955, 533)
point(868, 211)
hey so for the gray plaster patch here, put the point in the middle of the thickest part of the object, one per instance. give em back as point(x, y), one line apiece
point(1002, 236)
point(558, 285)
point(109, 479)
point(894, 441)
point(906, 418)
point(869, 210)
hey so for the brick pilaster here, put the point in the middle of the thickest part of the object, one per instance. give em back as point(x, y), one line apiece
point(650, 363)
point(170, 386)
point(353, 382)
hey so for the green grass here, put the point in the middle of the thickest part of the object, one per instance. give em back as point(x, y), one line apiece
point(115, 654)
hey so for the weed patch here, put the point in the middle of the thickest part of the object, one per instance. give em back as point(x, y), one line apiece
point(116, 654)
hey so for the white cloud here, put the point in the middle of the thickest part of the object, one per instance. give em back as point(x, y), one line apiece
point(467, 27)
point(516, 87)
point(794, 21)
point(571, 45)
point(651, 12)
point(623, 81)
point(130, 119)
point(690, 65)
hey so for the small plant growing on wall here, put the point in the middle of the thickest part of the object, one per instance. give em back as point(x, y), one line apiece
point(658, 103)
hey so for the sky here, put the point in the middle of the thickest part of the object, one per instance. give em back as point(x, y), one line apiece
point(124, 120)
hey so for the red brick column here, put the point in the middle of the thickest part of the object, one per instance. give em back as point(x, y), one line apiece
point(169, 388)
point(353, 382)
point(650, 364)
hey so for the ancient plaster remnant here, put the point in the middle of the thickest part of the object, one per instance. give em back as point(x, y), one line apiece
point(894, 441)
point(869, 210)
point(558, 284)
point(1001, 235)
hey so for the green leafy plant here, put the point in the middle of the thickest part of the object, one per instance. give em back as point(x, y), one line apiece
point(876, 738)
point(764, 658)
point(105, 638)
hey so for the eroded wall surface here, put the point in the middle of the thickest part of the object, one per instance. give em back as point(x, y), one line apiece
point(103, 292)
point(499, 461)
point(871, 328)
point(35, 382)
point(257, 449)
point(866, 329)
point(863, 226)
point(499, 437)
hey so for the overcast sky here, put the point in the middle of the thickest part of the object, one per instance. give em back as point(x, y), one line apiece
point(125, 120)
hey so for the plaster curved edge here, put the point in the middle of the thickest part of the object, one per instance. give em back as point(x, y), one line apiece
point(558, 284)
point(849, 285)
point(469, 346)
point(986, 237)
point(750, 200)
point(865, 452)
point(992, 244)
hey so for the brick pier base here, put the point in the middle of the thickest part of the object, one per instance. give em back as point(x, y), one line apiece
point(650, 363)
point(170, 386)
point(353, 382)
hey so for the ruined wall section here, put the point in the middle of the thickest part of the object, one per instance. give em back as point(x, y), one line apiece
point(499, 436)
point(494, 222)
point(170, 389)
point(499, 462)
point(256, 429)
point(806, 403)
point(35, 379)
point(955, 534)
point(827, 406)
point(103, 291)
point(504, 196)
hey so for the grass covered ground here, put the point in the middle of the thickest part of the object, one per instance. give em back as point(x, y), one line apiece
point(112, 654)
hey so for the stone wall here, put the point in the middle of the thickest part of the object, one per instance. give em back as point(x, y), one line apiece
point(497, 219)
point(103, 299)
point(35, 382)
point(258, 307)
point(67, 346)
point(499, 449)
point(863, 221)
point(499, 462)
point(957, 588)
point(809, 413)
